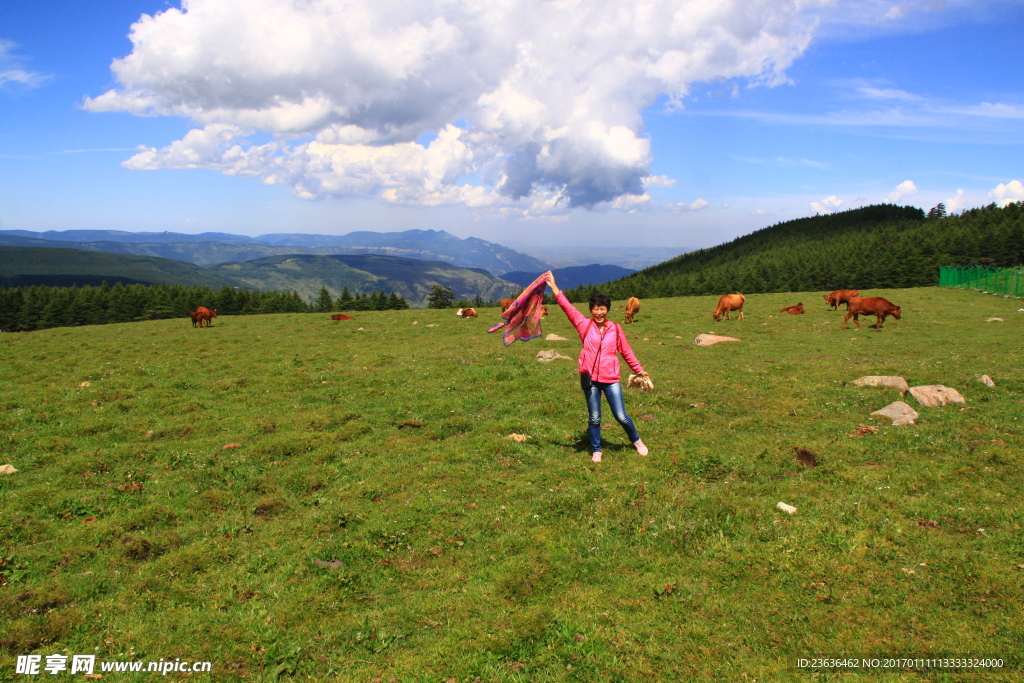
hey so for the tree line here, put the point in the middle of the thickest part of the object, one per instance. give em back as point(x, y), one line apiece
point(373, 301)
point(883, 246)
point(41, 307)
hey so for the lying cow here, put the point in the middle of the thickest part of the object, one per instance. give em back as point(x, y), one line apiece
point(341, 316)
point(728, 303)
point(870, 305)
point(632, 308)
point(467, 313)
point(840, 297)
point(793, 310)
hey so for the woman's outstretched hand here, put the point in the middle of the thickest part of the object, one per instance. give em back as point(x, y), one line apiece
point(551, 283)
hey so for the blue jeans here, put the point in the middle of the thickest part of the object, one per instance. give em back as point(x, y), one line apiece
point(613, 392)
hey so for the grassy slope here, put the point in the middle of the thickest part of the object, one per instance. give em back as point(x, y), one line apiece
point(25, 266)
point(463, 554)
point(412, 278)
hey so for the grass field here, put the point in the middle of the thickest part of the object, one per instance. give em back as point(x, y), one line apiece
point(374, 523)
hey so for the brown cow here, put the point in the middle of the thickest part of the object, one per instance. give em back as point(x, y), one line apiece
point(505, 303)
point(870, 305)
point(207, 315)
point(467, 313)
point(729, 302)
point(341, 316)
point(543, 311)
point(793, 310)
point(196, 318)
point(840, 297)
point(632, 308)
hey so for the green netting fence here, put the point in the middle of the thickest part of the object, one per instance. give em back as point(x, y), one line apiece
point(987, 279)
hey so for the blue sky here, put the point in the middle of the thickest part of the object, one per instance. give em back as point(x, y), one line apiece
point(687, 127)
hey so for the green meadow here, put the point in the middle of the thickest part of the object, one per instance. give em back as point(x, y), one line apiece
point(291, 498)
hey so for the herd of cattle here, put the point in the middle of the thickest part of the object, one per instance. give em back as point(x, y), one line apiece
point(856, 306)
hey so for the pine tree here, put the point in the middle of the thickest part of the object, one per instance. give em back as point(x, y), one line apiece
point(324, 302)
point(440, 297)
point(345, 300)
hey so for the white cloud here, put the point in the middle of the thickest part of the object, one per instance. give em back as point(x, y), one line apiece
point(696, 205)
point(1012, 191)
point(904, 189)
point(11, 71)
point(536, 100)
point(827, 205)
point(956, 203)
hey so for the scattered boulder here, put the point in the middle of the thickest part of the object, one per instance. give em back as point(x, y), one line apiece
point(786, 508)
point(936, 395)
point(882, 381)
point(518, 438)
point(994, 320)
point(85, 384)
point(549, 355)
point(987, 381)
point(554, 337)
point(7, 469)
point(899, 412)
point(709, 339)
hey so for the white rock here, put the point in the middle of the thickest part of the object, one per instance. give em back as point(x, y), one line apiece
point(554, 337)
point(786, 508)
point(549, 355)
point(7, 469)
point(709, 339)
point(899, 412)
point(936, 395)
point(994, 320)
point(882, 381)
point(987, 381)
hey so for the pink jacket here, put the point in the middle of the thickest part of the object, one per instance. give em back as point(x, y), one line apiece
point(598, 356)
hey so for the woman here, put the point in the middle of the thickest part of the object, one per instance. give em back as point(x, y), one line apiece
point(599, 365)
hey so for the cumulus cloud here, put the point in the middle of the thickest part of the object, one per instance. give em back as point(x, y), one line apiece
point(956, 202)
point(904, 189)
point(11, 71)
point(1008, 193)
point(533, 102)
point(827, 205)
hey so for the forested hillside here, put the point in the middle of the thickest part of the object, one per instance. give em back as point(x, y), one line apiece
point(873, 247)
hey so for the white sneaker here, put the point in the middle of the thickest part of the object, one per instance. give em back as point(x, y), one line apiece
point(596, 457)
point(640, 447)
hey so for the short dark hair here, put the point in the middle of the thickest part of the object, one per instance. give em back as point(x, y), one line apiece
point(600, 300)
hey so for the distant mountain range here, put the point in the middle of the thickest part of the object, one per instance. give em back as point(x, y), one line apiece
point(215, 247)
point(302, 273)
point(27, 266)
point(574, 276)
point(411, 278)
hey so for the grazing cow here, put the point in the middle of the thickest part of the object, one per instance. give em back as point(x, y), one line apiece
point(207, 314)
point(341, 316)
point(793, 310)
point(505, 303)
point(467, 313)
point(728, 303)
point(632, 308)
point(870, 305)
point(840, 297)
point(197, 318)
point(543, 311)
